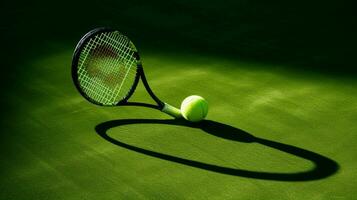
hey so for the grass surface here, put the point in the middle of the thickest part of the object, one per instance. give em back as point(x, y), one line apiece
point(51, 150)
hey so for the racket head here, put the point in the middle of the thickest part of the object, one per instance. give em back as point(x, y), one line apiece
point(106, 67)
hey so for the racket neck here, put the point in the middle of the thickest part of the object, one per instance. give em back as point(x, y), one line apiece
point(164, 107)
point(148, 89)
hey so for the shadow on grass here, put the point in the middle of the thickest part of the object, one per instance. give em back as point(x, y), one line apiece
point(324, 166)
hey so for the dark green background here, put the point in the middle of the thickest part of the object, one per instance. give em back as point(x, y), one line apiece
point(295, 59)
point(315, 34)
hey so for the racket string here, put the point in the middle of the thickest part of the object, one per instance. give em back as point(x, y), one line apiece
point(118, 46)
point(125, 63)
point(121, 85)
point(84, 76)
point(91, 84)
point(105, 52)
point(107, 67)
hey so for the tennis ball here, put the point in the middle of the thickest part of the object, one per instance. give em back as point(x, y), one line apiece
point(194, 108)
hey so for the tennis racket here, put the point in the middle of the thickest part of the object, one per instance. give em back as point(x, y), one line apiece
point(106, 69)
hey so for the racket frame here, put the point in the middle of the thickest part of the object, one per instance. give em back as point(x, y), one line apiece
point(162, 106)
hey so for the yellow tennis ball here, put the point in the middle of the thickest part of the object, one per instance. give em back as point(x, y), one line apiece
point(194, 108)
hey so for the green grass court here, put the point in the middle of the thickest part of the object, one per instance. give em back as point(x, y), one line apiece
point(276, 129)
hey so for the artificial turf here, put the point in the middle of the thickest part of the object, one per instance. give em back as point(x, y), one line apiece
point(53, 150)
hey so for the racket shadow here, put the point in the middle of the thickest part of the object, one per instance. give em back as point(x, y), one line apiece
point(323, 166)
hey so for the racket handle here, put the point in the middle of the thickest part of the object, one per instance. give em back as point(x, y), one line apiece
point(171, 110)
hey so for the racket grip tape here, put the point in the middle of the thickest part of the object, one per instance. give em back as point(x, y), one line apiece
point(171, 110)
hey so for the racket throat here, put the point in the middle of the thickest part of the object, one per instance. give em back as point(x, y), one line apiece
point(171, 110)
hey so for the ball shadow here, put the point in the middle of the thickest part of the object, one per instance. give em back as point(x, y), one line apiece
point(323, 168)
